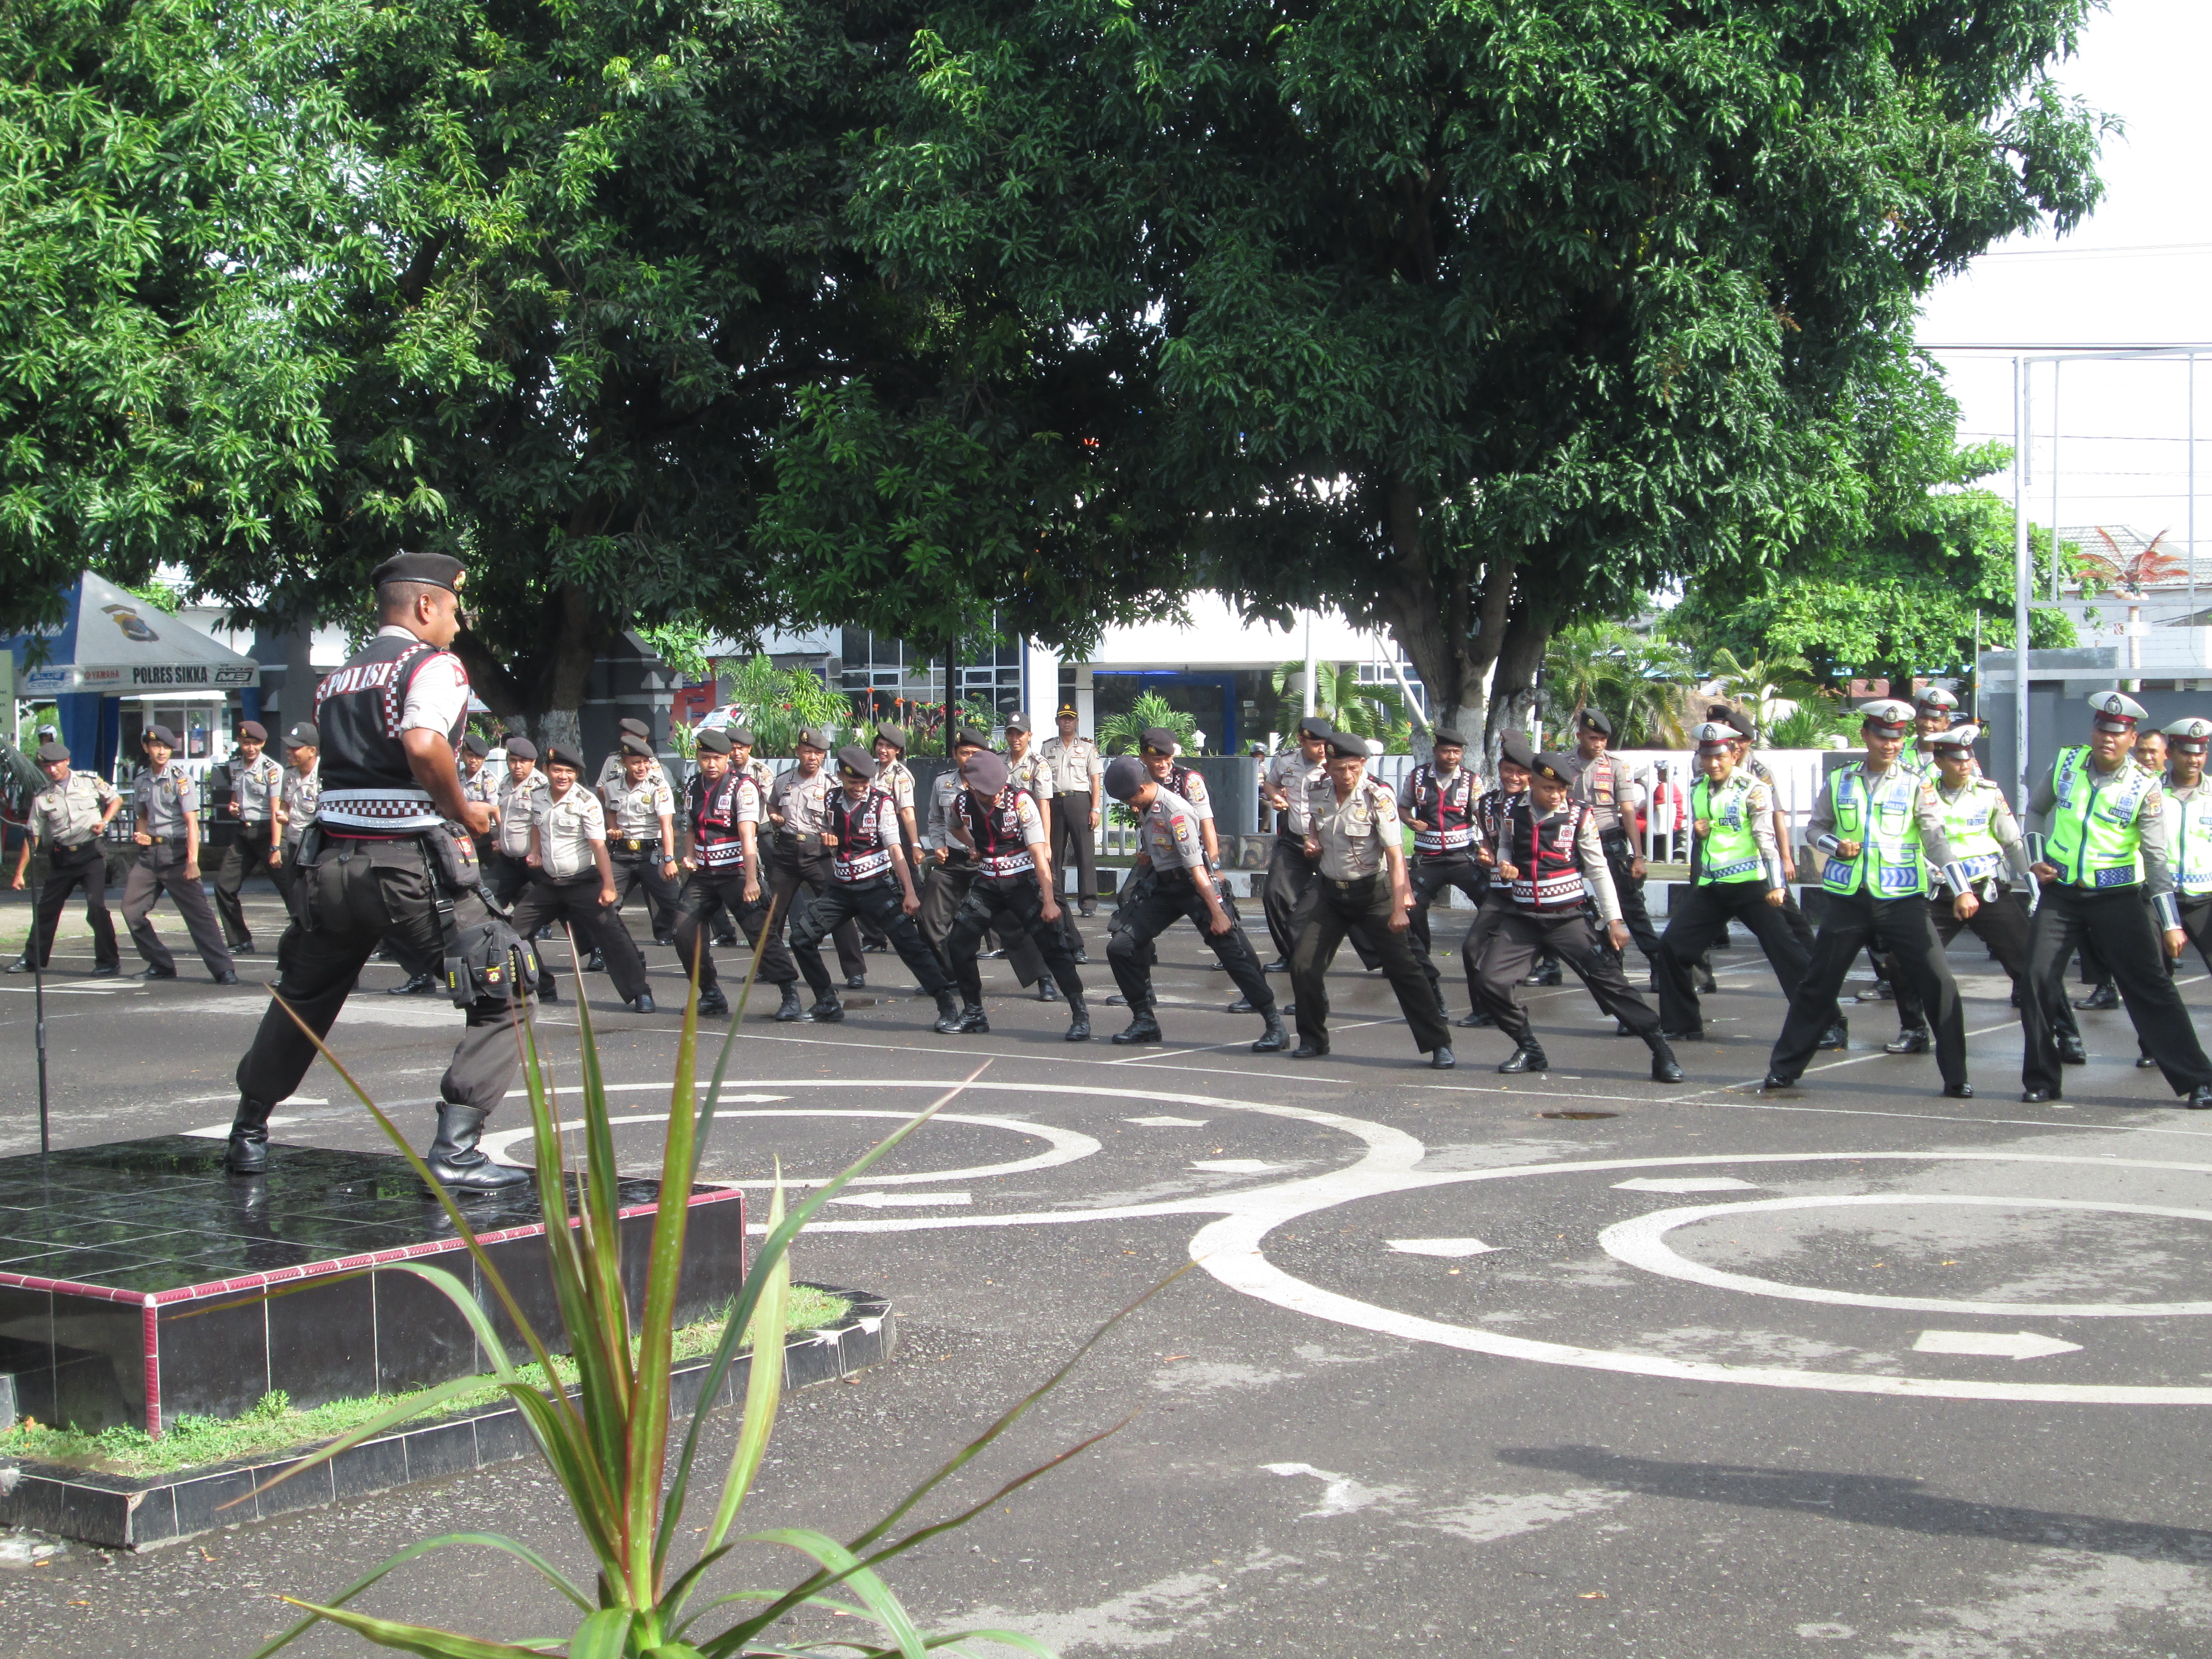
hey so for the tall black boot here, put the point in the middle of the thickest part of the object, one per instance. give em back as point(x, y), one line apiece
point(248, 1153)
point(827, 1009)
point(1528, 1057)
point(1274, 1039)
point(790, 1012)
point(458, 1162)
point(1078, 1020)
point(1664, 1068)
point(1142, 1028)
point(948, 1011)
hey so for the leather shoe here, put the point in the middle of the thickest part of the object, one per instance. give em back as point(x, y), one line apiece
point(1477, 1019)
point(1526, 1058)
point(156, 973)
point(243, 948)
point(855, 981)
point(1440, 1059)
point(414, 987)
point(1774, 1080)
point(1046, 991)
point(1274, 1039)
point(19, 966)
point(973, 1021)
point(1959, 1091)
point(1082, 959)
point(1309, 1049)
point(227, 976)
point(713, 1004)
point(1835, 1037)
point(1917, 1040)
point(2143, 1063)
point(2070, 1051)
point(1277, 966)
point(2106, 995)
point(100, 970)
point(827, 1009)
point(642, 1003)
point(595, 963)
point(2200, 1098)
point(2038, 1096)
point(1242, 1006)
point(1142, 1028)
point(1695, 1034)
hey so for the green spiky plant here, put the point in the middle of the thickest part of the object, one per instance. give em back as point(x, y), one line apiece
point(608, 1442)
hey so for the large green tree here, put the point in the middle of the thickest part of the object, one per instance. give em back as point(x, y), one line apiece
point(1469, 317)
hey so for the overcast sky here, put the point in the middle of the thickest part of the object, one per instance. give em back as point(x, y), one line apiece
point(2138, 272)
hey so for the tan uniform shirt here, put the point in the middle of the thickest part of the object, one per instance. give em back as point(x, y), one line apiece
point(1171, 837)
point(484, 785)
point(937, 829)
point(636, 809)
point(1294, 775)
point(517, 805)
point(165, 799)
point(1075, 764)
point(896, 782)
point(1031, 773)
point(804, 802)
point(255, 787)
point(1353, 832)
point(1605, 785)
point(67, 814)
point(565, 829)
point(303, 797)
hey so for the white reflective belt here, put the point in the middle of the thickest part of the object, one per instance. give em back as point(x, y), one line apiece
point(378, 809)
point(1009, 864)
point(861, 868)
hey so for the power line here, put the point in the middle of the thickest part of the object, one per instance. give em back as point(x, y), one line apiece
point(2135, 251)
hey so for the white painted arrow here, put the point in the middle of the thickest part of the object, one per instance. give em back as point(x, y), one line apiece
point(1993, 1345)
point(1684, 1184)
point(1168, 1122)
point(1233, 1165)
point(876, 1200)
point(1454, 1247)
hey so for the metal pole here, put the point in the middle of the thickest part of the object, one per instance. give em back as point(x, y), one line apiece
point(2055, 369)
point(2022, 576)
point(2192, 495)
point(1311, 667)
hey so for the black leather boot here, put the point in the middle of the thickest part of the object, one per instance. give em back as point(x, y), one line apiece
point(249, 1138)
point(415, 987)
point(1837, 1037)
point(1142, 1028)
point(1529, 1057)
point(2070, 1051)
point(2106, 995)
point(713, 1004)
point(1664, 1068)
point(827, 1009)
point(790, 1012)
point(1274, 1039)
point(1912, 1040)
point(948, 1011)
point(1046, 991)
point(595, 964)
point(1477, 1018)
point(972, 1020)
point(1079, 1021)
point(458, 1162)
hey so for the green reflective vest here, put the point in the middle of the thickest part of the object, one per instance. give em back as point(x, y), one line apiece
point(1966, 827)
point(2189, 840)
point(1728, 852)
point(2095, 837)
point(1878, 813)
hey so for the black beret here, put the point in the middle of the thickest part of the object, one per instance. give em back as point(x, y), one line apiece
point(253, 729)
point(984, 772)
point(158, 733)
point(1513, 748)
point(1313, 725)
point(1124, 776)
point(970, 737)
point(1736, 721)
point(1597, 720)
point(303, 735)
point(1161, 741)
point(714, 741)
point(521, 749)
point(476, 745)
point(1445, 735)
point(431, 570)
point(50, 753)
point(1343, 744)
point(635, 745)
point(636, 729)
point(558, 754)
point(814, 737)
point(1018, 721)
point(741, 735)
point(854, 758)
point(893, 735)
point(1555, 768)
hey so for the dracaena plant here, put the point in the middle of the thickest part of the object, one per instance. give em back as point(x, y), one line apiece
point(608, 1441)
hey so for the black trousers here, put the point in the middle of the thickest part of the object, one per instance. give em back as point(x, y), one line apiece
point(67, 869)
point(1703, 917)
point(880, 901)
point(1149, 912)
point(2001, 924)
point(1072, 846)
point(355, 894)
point(999, 901)
point(1289, 872)
point(161, 869)
point(643, 869)
point(506, 876)
point(573, 901)
point(2121, 926)
point(944, 889)
point(1620, 858)
point(1496, 904)
point(794, 865)
point(247, 854)
point(709, 895)
point(1518, 937)
point(1428, 878)
point(1330, 910)
point(1899, 927)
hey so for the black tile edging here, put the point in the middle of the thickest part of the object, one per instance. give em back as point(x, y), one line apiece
point(122, 1512)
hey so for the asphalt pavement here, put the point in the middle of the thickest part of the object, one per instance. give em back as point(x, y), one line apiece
point(1569, 1364)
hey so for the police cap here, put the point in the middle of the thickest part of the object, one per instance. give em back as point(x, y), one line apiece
point(158, 733)
point(2192, 734)
point(969, 737)
point(1125, 776)
point(558, 754)
point(1934, 696)
point(814, 737)
point(714, 741)
point(517, 748)
point(1018, 721)
point(430, 569)
point(854, 758)
point(1313, 725)
point(1885, 717)
point(253, 729)
point(1158, 740)
point(1958, 740)
point(476, 745)
point(893, 735)
point(51, 754)
point(304, 736)
point(1597, 720)
point(1068, 712)
point(2115, 712)
point(1734, 719)
point(1513, 749)
point(1445, 738)
point(984, 772)
point(631, 746)
point(741, 735)
point(1714, 734)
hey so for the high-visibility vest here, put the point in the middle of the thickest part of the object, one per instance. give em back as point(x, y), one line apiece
point(1878, 813)
point(2096, 837)
point(1967, 826)
point(1728, 852)
point(2189, 842)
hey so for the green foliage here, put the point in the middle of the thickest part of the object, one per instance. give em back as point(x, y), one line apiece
point(780, 702)
point(159, 594)
point(1818, 717)
point(682, 644)
point(1636, 679)
point(1365, 711)
point(1122, 734)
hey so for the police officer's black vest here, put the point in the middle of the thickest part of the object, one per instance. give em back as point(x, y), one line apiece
point(1549, 858)
point(863, 851)
point(716, 842)
point(369, 789)
point(1448, 809)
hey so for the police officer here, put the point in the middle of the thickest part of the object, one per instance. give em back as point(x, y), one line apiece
point(165, 815)
point(70, 817)
point(948, 871)
point(1935, 711)
point(480, 782)
point(1076, 767)
point(723, 813)
point(246, 787)
point(1612, 789)
point(1284, 784)
point(1354, 842)
point(1436, 801)
point(297, 805)
point(1515, 757)
point(1551, 858)
point(1005, 835)
point(641, 835)
point(2105, 851)
point(799, 807)
point(520, 794)
point(868, 877)
point(1838, 1035)
point(573, 879)
point(2188, 839)
point(387, 854)
point(896, 779)
point(1736, 875)
point(1171, 848)
point(1027, 768)
point(1880, 829)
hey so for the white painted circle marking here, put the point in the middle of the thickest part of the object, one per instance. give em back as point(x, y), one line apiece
point(1643, 1243)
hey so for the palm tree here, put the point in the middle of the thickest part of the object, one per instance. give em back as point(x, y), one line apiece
point(1636, 679)
point(1340, 698)
point(2130, 573)
point(1763, 682)
point(1120, 734)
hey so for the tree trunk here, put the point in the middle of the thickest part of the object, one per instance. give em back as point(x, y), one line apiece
point(546, 703)
point(1447, 623)
point(1516, 686)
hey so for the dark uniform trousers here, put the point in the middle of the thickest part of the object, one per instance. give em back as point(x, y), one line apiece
point(575, 900)
point(1703, 918)
point(797, 864)
point(506, 875)
point(1628, 890)
point(1071, 845)
point(2126, 935)
point(68, 868)
point(161, 869)
point(943, 890)
point(247, 854)
point(641, 868)
point(1519, 936)
point(998, 901)
point(711, 895)
point(2001, 924)
point(880, 901)
point(1430, 877)
point(1495, 905)
point(1149, 912)
point(1289, 872)
point(1901, 929)
point(357, 893)
point(1330, 910)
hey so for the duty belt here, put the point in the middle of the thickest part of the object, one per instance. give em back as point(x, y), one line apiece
point(1442, 840)
point(864, 867)
point(1733, 872)
point(1009, 864)
point(633, 844)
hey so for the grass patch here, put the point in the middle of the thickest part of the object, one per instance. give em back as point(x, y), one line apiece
point(272, 1428)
